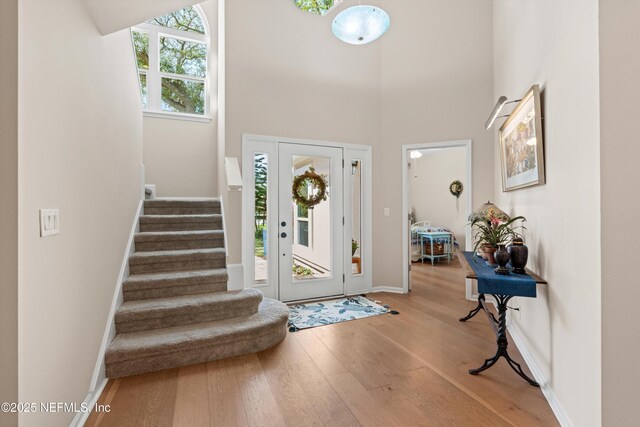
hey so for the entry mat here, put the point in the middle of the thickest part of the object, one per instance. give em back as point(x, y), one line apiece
point(302, 316)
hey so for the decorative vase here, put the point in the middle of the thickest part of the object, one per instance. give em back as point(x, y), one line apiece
point(502, 258)
point(489, 251)
point(519, 254)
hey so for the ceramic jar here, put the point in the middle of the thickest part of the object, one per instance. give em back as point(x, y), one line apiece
point(519, 254)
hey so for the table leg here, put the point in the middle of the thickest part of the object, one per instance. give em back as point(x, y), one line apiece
point(503, 343)
point(477, 310)
point(432, 258)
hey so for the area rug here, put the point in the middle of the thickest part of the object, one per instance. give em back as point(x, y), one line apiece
point(302, 316)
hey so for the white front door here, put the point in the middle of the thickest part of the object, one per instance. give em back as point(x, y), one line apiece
point(310, 240)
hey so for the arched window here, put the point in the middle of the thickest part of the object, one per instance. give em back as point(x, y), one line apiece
point(171, 54)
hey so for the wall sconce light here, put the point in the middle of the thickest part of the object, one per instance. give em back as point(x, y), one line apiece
point(502, 101)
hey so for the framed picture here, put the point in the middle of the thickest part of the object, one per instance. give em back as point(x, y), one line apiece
point(521, 145)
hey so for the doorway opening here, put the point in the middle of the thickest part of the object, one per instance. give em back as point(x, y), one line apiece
point(437, 200)
point(293, 250)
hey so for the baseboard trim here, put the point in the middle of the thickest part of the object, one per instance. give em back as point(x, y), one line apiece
point(391, 289)
point(236, 277)
point(547, 391)
point(99, 379)
point(89, 402)
point(358, 292)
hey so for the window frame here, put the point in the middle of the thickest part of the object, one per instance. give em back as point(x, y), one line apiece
point(154, 75)
point(308, 219)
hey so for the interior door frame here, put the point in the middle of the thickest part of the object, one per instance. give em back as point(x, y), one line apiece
point(251, 144)
point(468, 194)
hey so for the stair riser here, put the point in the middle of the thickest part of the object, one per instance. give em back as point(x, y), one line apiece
point(182, 210)
point(192, 356)
point(174, 291)
point(201, 314)
point(177, 203)
point(181, 226)
point(159, 267)
point(178, 245)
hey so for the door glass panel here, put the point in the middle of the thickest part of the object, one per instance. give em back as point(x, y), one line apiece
point(311, 243)
point(260, 171)
point(356, 215)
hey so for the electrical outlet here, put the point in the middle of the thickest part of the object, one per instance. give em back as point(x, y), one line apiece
point(49, 222)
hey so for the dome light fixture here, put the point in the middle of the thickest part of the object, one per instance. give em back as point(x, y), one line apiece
point(360, 24)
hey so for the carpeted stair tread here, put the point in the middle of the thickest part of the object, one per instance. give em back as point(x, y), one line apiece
point(168, 236)
point(181, 206)
point(158, 280)
point(185, 309)
point(154, 219)
point(176, 260)
point(180, 222)
point(172, 240)
point(146, 351)
point(169, 256)
point(175, 202)
point(150, 308)
point(174, 283)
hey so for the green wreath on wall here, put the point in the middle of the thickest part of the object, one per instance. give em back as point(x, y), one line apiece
point(300, 187)
point(456, 188)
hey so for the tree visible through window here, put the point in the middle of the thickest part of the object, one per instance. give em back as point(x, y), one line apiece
point(171, 55)
point(319, 7)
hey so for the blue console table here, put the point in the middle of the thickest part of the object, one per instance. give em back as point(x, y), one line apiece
point(503, 288)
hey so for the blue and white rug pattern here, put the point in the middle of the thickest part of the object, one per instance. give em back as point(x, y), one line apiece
point(302, 316)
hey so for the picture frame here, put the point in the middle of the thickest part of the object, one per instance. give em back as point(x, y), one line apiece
point(522, 145)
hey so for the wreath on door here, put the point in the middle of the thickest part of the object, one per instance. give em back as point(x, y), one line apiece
point(300, 189)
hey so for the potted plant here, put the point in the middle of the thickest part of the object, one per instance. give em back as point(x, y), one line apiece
point(494, 231)
point(354, 247)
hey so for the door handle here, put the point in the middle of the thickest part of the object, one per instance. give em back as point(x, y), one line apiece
point(283, 235)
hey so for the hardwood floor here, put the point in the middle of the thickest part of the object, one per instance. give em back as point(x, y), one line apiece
point(403, 370)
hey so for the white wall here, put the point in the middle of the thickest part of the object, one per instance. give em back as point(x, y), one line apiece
point(424, 81)
point(180, 156)
point(436, 85)
point(8, 207)
point(619, 153)
point(80, 150)
point(114, 15)
point(555, 44)
point(287, 75)
point(429, 193)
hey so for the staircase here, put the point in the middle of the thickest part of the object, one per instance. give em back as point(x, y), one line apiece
point(176, 309)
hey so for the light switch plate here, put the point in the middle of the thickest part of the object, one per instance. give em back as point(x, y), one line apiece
point(386, 211)
point(49, 222)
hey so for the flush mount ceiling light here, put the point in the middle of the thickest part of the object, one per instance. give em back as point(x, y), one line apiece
point(360, 24)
